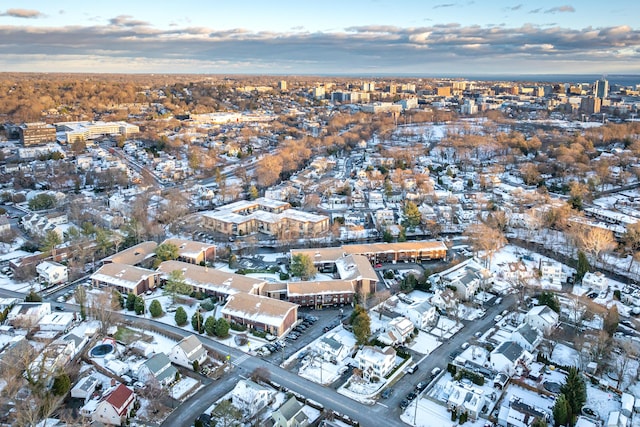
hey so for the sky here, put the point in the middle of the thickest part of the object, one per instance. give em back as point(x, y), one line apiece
point(329, 37)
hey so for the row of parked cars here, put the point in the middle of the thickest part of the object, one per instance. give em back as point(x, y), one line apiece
point(419, 388)
point(307, 321)
point(270, 348)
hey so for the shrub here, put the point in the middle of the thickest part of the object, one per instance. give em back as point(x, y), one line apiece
point(180, 317)
point(208, 305)
point(237, 327)
point(155, 308)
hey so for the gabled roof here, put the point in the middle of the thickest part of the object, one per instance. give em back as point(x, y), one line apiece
point(326, 287)
point(133, 255)
point(528, 333)
point(119, 397)
point(356, 267)
point(158, 362)
point(190, 343)
point(509, 349)
point(257, 308)
point(290, 408)
point(126, 276)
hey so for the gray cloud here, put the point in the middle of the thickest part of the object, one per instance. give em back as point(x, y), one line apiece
point(514, 8)
point(22, 13)
point(497, 49)
point(560, 9)
point(127, 21)
point(438, 6)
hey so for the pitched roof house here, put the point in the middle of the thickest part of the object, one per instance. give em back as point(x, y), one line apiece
point(158, 367)
point(507, 356)
point(250, 397)
point(125, 278)
point(542, 318)
point(258, 312)
point(526, 336)
point(116, 407)
point(187, 351)
point(290, 414)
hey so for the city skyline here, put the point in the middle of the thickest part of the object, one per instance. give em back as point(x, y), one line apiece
point(358, 37)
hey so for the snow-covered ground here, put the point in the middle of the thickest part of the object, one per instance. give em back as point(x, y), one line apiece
point(185, 387)
point(565, 355)
point(424, 343)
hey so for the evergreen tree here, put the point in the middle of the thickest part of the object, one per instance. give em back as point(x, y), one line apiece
point(32, 296)
point(561, 409)
point(210, 325)
point(180, 317)
point(550, 300)
point(583, 266)
point(362, 327)
point(413, 216)
point(539, 422)
point(138, 306)
point(61, 385)
point(197, 322)
point(155, 308)
point(222, 328)
point(575, 391)
point(131, 301)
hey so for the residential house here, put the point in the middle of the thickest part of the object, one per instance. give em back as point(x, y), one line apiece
point(158, 367)
point(552, 271)
point(57, 321)
point(507, 356)
point(125, 278)
point(516, 413)
point(320, 294)
point(40, 224)
point(398, 331)
point(415, 251)
point(465, 278)
point(542, 318)
point(261, 313)
point(5, 225)
point(193, 252)
point(290, 414)
point(422, 314)
point(331, 349)
point(596, 281)
point(250, 397)
point(51, 360)
point(116, 407)
point(527, 337)
point(187, 351)
point(465, 398)
point(85, 388)
point(28, 314)
point(52, 272)
point(375, 362)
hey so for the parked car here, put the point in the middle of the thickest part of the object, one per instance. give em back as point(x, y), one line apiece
point(386, 393)
point(421, 386)
point(412, 395)
point(411, 369)
point(404, 404)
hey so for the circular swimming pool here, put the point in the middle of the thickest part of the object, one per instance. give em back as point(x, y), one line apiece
point(101, 350)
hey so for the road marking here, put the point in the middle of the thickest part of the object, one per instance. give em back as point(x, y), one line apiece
point(382, 404)
point(240, 359)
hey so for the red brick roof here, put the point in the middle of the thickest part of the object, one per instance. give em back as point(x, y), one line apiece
point(119, 398)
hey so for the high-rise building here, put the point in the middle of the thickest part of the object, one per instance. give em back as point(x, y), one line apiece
point(590, 105)
point(282, 85)
point(601, 89)
point(36, 133)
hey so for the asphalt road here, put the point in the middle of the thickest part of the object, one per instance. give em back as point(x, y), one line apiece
point(385, 413)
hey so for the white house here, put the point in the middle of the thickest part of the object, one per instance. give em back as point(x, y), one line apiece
point(85, 388)
point(28, 314)
point(158, 367)
point(52, 273)
point(375, 362)
point(422, 314)
point(507, 356)
point(466, 277)
point(331, 349)
point(516, 413)
point(596, 281)
point(526, 336)
point(552, 271)
point(290, 414)
point(397, 332)
point(465, 398)
point(115, 407)
point(542, 318)
point(58, 321)
point(187, 351)
point(250, 397)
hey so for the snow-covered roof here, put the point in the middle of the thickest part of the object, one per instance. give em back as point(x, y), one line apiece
point(122, 275)
point(258, 309)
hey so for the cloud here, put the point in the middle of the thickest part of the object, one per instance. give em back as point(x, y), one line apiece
point(514, 8)
point(374, 47)
point(560, 9)
point(22, 13)
point(127, 21)
point(439, 6)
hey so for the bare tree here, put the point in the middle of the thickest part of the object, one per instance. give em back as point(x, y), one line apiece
point(102, 308)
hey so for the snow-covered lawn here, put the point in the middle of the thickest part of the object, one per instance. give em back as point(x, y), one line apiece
point(319, 370)
point(424, 343)
point(360, 390)
point(601, 401)
point(429, 413)
point(186, 386)
point(446, 328)
point(564, 355)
